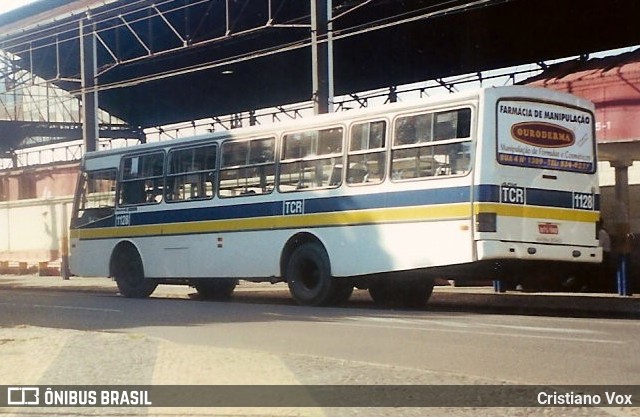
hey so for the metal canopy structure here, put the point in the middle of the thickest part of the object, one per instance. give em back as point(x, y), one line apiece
point(167, 61)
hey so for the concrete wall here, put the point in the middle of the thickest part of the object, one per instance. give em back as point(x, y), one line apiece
point(32, 230)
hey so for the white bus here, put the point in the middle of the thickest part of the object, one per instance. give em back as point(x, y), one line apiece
point(492, 184)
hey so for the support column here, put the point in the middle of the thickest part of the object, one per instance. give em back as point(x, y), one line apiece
point(393, 94)
point(621, 228)
point(88, 69)
point(322, 56)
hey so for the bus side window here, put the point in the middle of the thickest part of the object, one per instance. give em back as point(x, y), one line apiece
point(366, 161)
point(248, 167)
point(191, 173)
point(142, 180)
point(431, 144)
point(454, 124)
point(311, 159)
point(132, 192)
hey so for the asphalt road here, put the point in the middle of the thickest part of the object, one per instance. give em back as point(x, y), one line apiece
point(378, 346)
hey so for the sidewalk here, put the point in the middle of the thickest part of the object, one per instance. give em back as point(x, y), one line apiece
point(444, 298)
point(564, 304)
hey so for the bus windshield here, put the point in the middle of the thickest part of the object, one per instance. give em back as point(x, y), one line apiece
point(97, 197)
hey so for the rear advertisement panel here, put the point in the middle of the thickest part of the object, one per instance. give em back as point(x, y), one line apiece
point(547, 136)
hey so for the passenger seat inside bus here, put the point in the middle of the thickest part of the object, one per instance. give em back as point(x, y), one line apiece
point(357, 174)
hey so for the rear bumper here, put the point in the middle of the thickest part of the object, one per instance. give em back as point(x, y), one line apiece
point(487, 250)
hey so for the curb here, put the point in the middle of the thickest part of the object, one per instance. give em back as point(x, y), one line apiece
point(466, 299)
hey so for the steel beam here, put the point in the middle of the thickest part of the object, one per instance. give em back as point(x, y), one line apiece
point(322, 56)
point(88, 68)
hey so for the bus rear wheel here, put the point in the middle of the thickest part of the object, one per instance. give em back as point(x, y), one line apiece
point(343, 288)
point(218, 289)
point(308, 274)
point(128, 272)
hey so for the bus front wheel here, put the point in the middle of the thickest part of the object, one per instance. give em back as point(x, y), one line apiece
point(128, 272)
point(308, 274)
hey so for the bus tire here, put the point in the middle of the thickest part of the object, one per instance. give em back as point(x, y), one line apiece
point(128, 272)
point(382, 293)
point(308, 274)
point(343, 288)
point(417, 293)
point(218, 289)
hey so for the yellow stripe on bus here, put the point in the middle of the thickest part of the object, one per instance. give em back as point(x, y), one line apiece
point(342, 218)
point(534, 212)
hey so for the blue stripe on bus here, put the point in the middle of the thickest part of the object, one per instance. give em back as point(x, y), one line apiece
point(483, 193)
point(386, 200)
point(486, 193)
point(240, 211)
point(533, 197)
point(311, 206)
point(553, 198)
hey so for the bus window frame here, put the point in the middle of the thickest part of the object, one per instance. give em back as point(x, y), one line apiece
point(81, 185)
point(121, 181)
point(339, 157)
point(470, 140)
point(384, 150)
point(247, 165)
point(213, 172)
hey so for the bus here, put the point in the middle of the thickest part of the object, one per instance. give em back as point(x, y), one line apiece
point(495, 183)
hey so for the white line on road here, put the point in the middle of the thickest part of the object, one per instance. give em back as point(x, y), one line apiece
point(109, 310)
point(464, 328)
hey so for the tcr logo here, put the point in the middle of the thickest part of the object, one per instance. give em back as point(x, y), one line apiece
point(23, 396)
point(512, 194)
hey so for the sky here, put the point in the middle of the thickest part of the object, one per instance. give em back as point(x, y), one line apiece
point(6, 5)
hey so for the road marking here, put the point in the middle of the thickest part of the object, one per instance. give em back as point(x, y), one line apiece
point(463, 328)
point(109, 310)
point(540, 329)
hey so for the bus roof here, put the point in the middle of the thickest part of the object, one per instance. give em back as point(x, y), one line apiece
point(337, 117)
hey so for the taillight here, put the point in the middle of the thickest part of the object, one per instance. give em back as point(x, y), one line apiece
point(486, 222)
